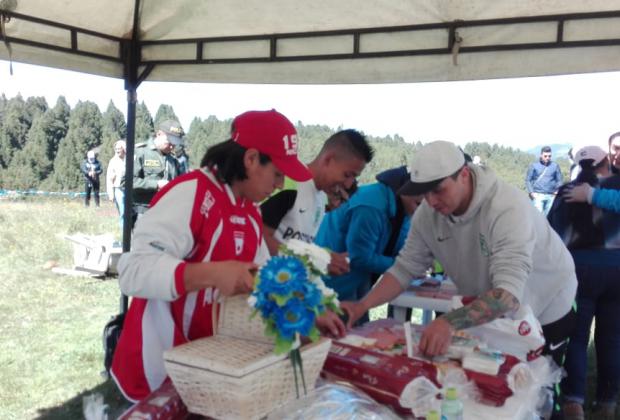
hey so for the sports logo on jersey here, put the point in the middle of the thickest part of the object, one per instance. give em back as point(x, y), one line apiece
point(238, 242)
point(207, 203)
point(237, 220)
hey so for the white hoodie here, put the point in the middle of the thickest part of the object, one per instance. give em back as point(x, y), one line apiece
point(501, 241)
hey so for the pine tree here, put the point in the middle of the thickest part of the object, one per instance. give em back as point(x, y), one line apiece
point(114, 128)
point(164, 112)
point(144, 123)
point(15, 125)
point(203, 134)
point(84, 134)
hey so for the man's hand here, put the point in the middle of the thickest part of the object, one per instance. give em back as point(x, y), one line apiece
point(531, 195)
point(161, 184)
point(355, 310)
point(330, 324)
point(577, 194)
point(436, 338)
point(339, 264)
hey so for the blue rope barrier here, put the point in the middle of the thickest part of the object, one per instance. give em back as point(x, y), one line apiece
point(71, 194)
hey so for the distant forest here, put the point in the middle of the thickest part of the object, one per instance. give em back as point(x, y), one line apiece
point(41, 147)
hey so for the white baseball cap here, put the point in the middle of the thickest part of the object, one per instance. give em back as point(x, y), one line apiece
point(430, 165)
point(594, 153)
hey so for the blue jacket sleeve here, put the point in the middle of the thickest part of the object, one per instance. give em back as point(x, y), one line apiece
point(606, 199)
point(528, 179)
point(367, 232)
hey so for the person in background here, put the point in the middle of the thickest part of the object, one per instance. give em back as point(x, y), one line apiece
point(200, 239)
point(91, 169)
point(181, 157)
point(608, 199)
point(491, 242)
point(574, 166)
point(114, 177)
point(593, 238)
point(542, 181)
point(154, 165)
point(297, 214)
point(371, 227)
point(338, 198)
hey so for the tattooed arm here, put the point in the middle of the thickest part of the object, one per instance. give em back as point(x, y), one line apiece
point(489, 306)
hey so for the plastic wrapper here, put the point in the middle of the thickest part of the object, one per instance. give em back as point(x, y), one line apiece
point(333, 401)
point(531, 384)
point(519, 334)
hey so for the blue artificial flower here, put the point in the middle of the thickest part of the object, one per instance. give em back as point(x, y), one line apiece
point(310, 294)
point(282, 275)
point(294, 317)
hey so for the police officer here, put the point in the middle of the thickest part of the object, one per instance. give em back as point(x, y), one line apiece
point(154, 164)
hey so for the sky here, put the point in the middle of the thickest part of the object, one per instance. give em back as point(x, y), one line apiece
point(521, 113)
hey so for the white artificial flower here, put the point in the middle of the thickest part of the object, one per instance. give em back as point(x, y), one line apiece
point(318, 256)
point(252, 301)
point(325, 291)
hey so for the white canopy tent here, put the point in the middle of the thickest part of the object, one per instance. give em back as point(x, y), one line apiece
point(323, 41)
point(319, 41)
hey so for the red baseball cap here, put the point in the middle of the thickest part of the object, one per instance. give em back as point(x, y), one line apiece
point(272, 134)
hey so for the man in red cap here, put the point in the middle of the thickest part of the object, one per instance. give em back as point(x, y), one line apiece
point(200, 238)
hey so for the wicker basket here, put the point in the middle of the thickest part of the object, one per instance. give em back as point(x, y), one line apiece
point(235, 374)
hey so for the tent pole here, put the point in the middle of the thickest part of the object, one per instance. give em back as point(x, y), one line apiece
point(132, 61)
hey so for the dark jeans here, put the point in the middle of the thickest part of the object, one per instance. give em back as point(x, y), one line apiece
point(94, 188)
point(557, 335)
point(598, 296)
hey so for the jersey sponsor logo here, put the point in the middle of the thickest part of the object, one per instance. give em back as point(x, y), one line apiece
point(291, 233)
point(152, 163)
point(237, 220)
point(207, 203)
point(239, 236)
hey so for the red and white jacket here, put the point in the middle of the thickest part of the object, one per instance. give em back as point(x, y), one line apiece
point(194, 218)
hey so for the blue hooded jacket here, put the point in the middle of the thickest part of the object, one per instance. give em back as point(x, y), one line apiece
point(362, 227)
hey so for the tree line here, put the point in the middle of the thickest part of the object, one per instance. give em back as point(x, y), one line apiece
point(41, 147)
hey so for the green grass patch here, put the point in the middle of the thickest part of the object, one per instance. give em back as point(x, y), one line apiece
point(51, 324)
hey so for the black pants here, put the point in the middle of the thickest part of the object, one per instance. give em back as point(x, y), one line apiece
point(94, 187)
point(557, 335)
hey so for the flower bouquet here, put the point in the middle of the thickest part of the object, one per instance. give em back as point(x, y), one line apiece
point(289, 294)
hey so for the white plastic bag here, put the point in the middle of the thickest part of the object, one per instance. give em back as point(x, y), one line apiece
point(519, 334)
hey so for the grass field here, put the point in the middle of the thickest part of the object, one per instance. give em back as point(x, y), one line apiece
point(51, 355)
point(51, 324)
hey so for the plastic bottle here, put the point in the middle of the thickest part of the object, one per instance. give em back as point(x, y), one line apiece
point(451, 406)
point(433, 415)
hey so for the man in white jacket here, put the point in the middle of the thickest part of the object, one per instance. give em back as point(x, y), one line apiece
point(490, 240)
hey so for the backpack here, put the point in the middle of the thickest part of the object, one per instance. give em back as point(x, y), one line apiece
point(111, 335)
